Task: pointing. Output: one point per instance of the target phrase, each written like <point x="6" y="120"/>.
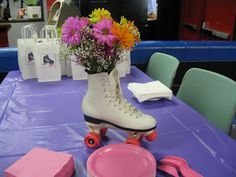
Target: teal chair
<point x="162" y="67"/>
<point x="211" y="94"/>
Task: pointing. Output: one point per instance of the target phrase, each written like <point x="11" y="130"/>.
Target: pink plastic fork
<point x="168" y="169"/>
<point x="181" y="165"/>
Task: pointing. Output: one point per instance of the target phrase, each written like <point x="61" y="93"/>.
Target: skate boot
<point x="30" y="57"/>
<point x="134" y="137"/>
<point x="46" y="60"/>
<point x="104" y="107"/>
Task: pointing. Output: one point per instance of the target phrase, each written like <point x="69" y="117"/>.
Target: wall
<point x="208" y="20"/>
<point x="14" y="33"/>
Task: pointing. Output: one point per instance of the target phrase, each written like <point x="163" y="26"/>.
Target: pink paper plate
<point x="121" y="160"/>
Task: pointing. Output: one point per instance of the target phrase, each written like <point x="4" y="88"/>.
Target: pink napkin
<point x="42" y="163"/>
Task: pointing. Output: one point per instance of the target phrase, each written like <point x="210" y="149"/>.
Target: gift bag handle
<point x="48" y="32"/>
<point x="29" y="31"/>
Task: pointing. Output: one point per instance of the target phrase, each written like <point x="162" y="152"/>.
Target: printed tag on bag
<point x="29" y="56"/>
<point x="48" y="60"/>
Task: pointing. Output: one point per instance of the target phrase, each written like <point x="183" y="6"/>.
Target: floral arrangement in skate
<point x="97" y="41"/>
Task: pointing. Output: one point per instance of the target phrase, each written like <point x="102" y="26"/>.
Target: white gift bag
<point x="65" y="61"/>
<point x="127" y="62"/>
<point x="68" y="67"/>
<point x="124" y="65"/>
<point x="121" y="67"/>
<point x="25" y="51"/>
<point x="78" y="72"/>
<point x="63" y="67"/>
<point x="46" y="52"/>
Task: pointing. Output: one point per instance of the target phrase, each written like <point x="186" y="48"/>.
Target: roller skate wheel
<point x="133" y="141"/>
<point x="152" y="136"/>
<point x="92" y="140"/>
<point x="103" y="131"/>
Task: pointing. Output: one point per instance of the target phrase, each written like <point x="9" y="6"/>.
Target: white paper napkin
<point x="150" y="91"/>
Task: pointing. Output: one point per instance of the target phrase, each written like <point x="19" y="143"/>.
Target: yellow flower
<point x="98" y="14"/>
<point x="123" y="20"/>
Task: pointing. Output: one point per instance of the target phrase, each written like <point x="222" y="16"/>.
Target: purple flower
<point x="71" y="30"/>
<point x="102" y="32"/>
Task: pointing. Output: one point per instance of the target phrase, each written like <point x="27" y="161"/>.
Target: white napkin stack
<point x="150" y="91"/>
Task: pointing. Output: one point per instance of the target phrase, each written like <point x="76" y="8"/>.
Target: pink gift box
<point x="42" y="163"/>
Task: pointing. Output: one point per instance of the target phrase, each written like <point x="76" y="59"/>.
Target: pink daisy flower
<point x="83" y="22"/>
<point x="102" y="32"/>
<point x="71" y="30"/>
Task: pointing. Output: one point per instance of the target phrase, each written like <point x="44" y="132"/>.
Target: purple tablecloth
<point x="49" y="115"/>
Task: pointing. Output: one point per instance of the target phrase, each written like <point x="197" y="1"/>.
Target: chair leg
<point x="233" y="131"/>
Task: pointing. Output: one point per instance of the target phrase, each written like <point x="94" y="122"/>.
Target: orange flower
<point x="124" y="36"/>
<point x="134" y="31"/>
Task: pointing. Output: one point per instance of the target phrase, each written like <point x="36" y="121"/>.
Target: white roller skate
<point x="104" y="107"/>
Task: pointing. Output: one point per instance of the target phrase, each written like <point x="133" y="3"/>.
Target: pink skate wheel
<point x="152" y="136"/>
<point x="121" y="160"/>
<point x="133" y="141"/>
<point x="103" y="131"/>
<point x="92" y="140"/>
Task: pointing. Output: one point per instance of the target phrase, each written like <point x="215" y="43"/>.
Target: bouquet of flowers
<point x="98" y="41"/>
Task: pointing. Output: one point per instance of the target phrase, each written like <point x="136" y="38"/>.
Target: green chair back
<point x="211" y="94"/>
<point x="162" y="67"/>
